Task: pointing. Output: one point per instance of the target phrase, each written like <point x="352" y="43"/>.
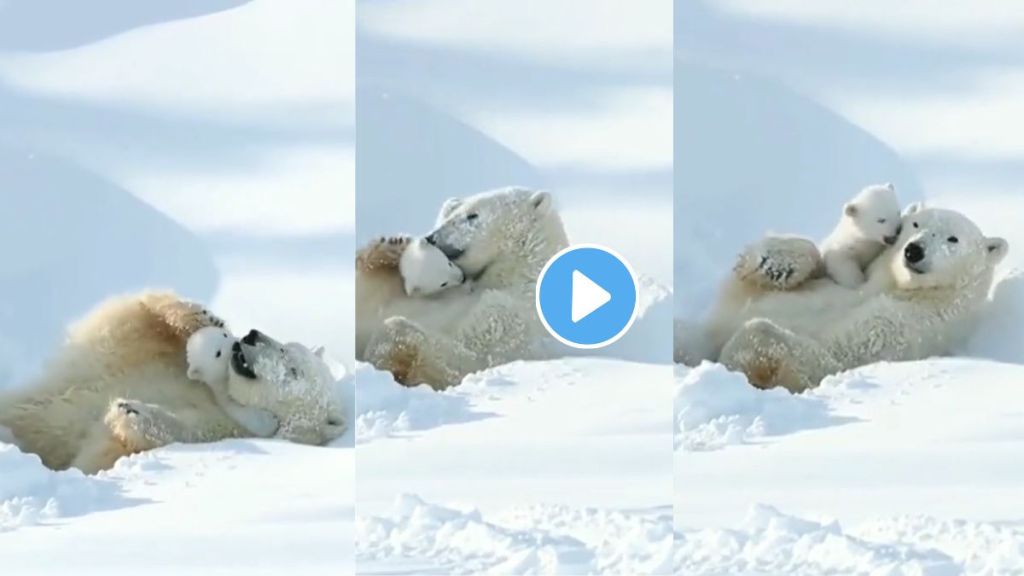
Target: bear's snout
<point x="913" y="253"/>
<point x="251" y="338"/>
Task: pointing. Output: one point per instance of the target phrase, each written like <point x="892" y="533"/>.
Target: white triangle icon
<point x="587" y="296"/>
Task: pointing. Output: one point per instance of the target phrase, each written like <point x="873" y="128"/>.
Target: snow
<point x="239" y="506"/>
<point x="715" y="408"/>
<point x="560" y="466"/>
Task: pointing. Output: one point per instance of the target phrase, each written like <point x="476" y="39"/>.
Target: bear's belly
<point x="811" y="311"/>
<point x="441" y="313"/>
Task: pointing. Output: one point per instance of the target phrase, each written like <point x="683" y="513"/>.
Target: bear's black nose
<point x="913" y="253"/>
<point x="236" y="347"/>
<point x="431" y="239"/>
<point x="251" y="338"/>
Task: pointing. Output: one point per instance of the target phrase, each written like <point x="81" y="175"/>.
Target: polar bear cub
<point x="208" y="352"/>
<point x="870" y="222"/>
<point x="426" y="270"/>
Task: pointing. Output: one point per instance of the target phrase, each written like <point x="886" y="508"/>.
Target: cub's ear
<point x="450" y="205"/>
<point x="319" y="352"/>
<point x="850" y="209"/>
<point x="541" y="202"/>
<point x="997" y="249"/>
<point x="913" y="208"/>
<point x="889" y="186"/>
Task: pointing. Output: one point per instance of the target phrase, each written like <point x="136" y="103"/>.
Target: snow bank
<point x="523" y="540"/>
<point x="715" y="407"/>
<point x="769" y="542"/>
<point x="386" y="408"/>
<point x="1000" y="335"/>
<point x="31" y="494"/>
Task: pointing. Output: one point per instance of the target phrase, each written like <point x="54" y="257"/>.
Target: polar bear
<point x="208" y="353"/>
<point x="119" y="385"/>
<point x="870" y="222"/>
<point x="782" y="327"/>
<point x="426" y="270"/>
<point x="501" y="239"/>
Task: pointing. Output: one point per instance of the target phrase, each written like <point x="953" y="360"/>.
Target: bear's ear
<point x="997" y="249"/>
<point x="450" y="205"/>
<point x="319" y="352"/>
<point x="541" y="202"/>
<point x="889" y="186"/>
<point x="850" y="209"/>
<point x="913" y="208"/>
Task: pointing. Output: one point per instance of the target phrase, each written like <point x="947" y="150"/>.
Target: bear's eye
<point x="472" y="216"/>
<point x="952" y="239"/>
<point x="218" y="354"/>
<point x="881" y="220"/>
<point x="915" y="224"/>
<point x="443" y="284"/>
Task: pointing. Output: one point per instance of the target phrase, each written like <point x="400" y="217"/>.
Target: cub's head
<point x="292" y="382"/>
<point x="477" y="231"/>
<point x="943" y="248"/>
<point x="875" y="214"/>
<point x="426" y="270"/>
<point x="208" y="353"/>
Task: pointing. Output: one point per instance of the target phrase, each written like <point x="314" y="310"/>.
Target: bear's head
<point x="874" y="214"/>
<point x="292" y="382"/>
<point x="500" y="238"/>
<point x="208" y="352"/>
<point x="426" y="270"/>
<point x="943" y="249"/>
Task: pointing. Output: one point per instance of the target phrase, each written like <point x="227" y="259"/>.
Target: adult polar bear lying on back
<point x="780" y="327"/>
<point x="501" y="240"/>
<point x="119" y="385"/>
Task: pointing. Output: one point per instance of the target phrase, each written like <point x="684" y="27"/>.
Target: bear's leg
<point x="415" y="357"/>
<point x="129" y="427"/>
<point x="183" y="317"/>
<point x="778" y="263"/>
<point x="772" y="356"/>
<point x="496" y="330"/>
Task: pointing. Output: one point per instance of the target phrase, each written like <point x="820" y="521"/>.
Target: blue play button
<point x="587" y="296"/>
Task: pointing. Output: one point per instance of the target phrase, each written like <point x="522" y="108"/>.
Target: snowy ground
<point x="132" y="157"/>
<point x="888" y="469"/>
<point x="534" y="467"/>
<point x="539" y="467"/>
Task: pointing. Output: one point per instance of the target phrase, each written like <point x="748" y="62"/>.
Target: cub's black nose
<point x="432" y="240"/>
<point x="236" y="347"/>
<point x="913" y="253"/>
<point x="251" y="338"/>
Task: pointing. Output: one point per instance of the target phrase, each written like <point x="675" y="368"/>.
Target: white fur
<point x="870" y="222"/>
<point x="119" y="385"/>
<point x="501" y="240"/>
<point x="782" y="327"/>
<point x="208" y="353"/>
<point x="426" y="270"/>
